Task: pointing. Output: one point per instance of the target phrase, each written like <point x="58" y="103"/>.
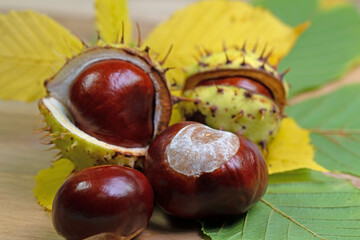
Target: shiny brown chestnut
<point x="201" y="172"/>
<point x="113" y="101"/>
<point x="104" y="201"/>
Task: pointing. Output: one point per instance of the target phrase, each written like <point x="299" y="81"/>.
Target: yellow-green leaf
<point x="291" y="149"/>
<point x="49" y="180"/>
<point x="327" y="4"/>
<point x="111" y="17"/>
<point x="32" y="48"/>
<point x="210" y="25"/>
<point x="333" y="120"/>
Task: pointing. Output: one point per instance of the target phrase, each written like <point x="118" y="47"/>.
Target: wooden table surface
<point x="22" y="155"/>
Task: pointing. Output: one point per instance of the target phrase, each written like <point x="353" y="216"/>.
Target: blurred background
<point x="78" y="15"/>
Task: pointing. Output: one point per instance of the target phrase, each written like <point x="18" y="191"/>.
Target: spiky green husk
<point x="81" y="151"/>
<point x="239" y="62"/>
<point x="233" y="58"/>
<point x="236" y="110"/>
<point x="232" y="108"/>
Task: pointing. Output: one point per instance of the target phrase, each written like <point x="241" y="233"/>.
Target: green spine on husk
<point x="233" y="108"/>
<point x="82" y="152"/>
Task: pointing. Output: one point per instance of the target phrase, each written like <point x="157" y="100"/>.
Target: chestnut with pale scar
<point x="189" y="164"/>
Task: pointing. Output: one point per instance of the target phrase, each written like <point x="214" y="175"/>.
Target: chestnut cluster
<point x="194" y="171"/>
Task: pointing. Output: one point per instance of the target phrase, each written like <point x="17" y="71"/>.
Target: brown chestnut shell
<point x="233" y="188"/>
<point x="105" y="201"/>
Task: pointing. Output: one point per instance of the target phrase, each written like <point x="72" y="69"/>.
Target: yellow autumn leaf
<point x="291" y="149"/>
<point x="111" y="17"/>
<point x="328" y="4"/>
<point x="208" y="25"/>
<point x="33" y="47"/>
<point x="49" y="180"/>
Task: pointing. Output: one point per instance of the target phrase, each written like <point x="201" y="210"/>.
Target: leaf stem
<point x="341" y="132"/>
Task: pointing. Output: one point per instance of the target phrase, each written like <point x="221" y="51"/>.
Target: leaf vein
<point x="267" y="223"/>
<point x="291" y="219"/>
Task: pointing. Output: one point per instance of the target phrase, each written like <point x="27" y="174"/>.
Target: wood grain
<point x="22" y="155"/>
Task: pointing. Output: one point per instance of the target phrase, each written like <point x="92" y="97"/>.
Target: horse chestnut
<point x="200" y="172"/>
<point x="104" y="201"/>
<point x="113" y="101"/>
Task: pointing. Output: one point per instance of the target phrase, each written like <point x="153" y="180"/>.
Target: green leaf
<point x="334" y="122"/>
<point x="291" y="12"/>
<point x="328" y="49"/>
<point x="229" y="228"/>
<point x="298" y="205"/>
<point x="339" y="109"/>
<point x="49" y="180"/>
